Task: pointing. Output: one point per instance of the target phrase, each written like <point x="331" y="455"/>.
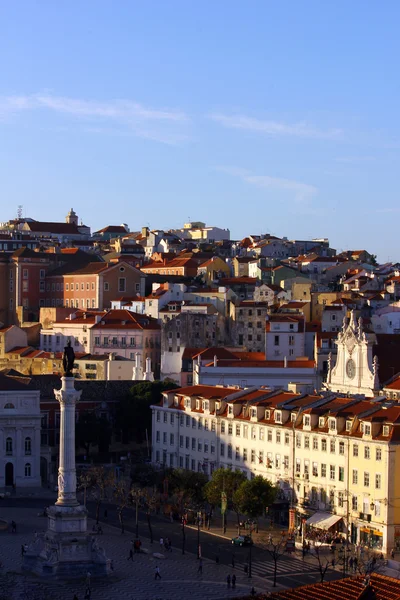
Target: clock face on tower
<point x="350" y="368"/>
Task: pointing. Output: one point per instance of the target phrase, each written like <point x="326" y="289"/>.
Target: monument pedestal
<point x="66" y="550"/>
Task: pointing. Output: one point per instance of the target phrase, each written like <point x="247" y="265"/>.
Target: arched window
<point x="27" y="469"/>
<point x="9" y="405"/>
<point x="9" y="446"/>
<point x="28" y="446"/>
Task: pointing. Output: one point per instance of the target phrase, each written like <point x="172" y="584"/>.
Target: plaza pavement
<point x="130" y="580"/>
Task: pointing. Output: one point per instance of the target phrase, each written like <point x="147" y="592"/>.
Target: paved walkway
<point x="130" y="580"/>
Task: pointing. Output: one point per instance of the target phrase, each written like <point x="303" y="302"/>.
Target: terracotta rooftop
<point x="379" y="587"/>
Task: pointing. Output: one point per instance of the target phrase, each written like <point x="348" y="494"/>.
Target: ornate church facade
<point x="356" y="368"/>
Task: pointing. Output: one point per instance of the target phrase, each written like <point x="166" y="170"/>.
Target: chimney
<point x="285" y="362"/>
<point x="215" y="360"/>
<point x="145" y="232"/>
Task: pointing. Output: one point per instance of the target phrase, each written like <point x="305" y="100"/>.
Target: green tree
<point x="122" y="499"/>
<point x="224" y="480"/>
<point x="254" y="496"/>
<point x="133" y="416"/>
<point x="187" y="486"/>
<point x="86" y="431"/>
<point x="92" y="431"/>
<point x="99" y="482"/>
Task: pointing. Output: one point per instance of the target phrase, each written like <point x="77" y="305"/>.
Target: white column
<point x="67" y="397"/>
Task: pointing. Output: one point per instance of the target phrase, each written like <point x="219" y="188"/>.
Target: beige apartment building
<point x="334" y="458"/>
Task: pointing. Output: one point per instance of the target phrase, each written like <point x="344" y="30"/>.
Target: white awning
<point x="323" y="520"/>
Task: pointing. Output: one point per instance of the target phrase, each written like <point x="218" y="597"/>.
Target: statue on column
<point x="68" y="359"/>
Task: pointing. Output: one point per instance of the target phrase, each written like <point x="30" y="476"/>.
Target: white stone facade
<point x="19" y="436"/>
<point x="356" y="369"/>
<point x="327" y="453"/>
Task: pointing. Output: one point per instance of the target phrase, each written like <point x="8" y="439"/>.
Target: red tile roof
<point x="206" y="391"/>
<point x="394" y="385"/>
<point x="238" y="280"/>
<point x="126" y="319"/>
<point x="380" y="587"/>
<point x="48" y="226"/>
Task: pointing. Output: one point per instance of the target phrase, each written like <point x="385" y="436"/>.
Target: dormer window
<point x="332" y="424"/>
<point x="366" y="428"/>
<point x="230" y="410"/>
<point x="187" y="403"/>
<point x="386" y="430"/>
<point x="293" y="417"/>
<point x="321" y="422"/>
<point x="176" y="401"/>
<point x="197" y="404"/>
<point x="278" y="416"/>
<point x="307" y="420"/>
<point x="205" y="405"/>
<point x="267" y="414"/>
<point x="253" y="412"/>
<point x="217" y="405"/>
<point x="348" y="425"/>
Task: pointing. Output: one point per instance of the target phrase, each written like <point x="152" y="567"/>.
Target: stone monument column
<point x="68" y="396"/>
<point x="66" y="549"/>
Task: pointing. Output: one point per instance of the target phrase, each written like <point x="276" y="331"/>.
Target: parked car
<point x="242" y="540"/>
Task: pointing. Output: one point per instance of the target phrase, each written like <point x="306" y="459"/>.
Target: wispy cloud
<point x="275" y="128"/>
<point x="388" y="210"/>
<point x="353" y="160"/>
<point x="134" y="117"/>
<point x="302" y="192"/>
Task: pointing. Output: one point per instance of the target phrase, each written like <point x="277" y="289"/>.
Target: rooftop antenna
<point x="19" y="211"/>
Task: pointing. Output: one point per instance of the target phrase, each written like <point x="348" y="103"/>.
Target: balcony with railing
<point x="111" y="345"/>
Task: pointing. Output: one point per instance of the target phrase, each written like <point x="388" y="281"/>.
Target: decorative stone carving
<point x="355" y="371"/>
<point x="68" y="551"/>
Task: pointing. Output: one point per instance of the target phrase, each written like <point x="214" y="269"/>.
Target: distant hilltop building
<point x="197" y="230"/>
<point x="69" y="231"/>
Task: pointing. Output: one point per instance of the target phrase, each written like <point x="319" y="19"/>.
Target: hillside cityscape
<point x="267" y="367"/>
<point x="199" y="300"/>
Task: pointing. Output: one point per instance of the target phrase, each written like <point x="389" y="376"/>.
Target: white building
<point x="76" y="329"/>
<point x="284" y="337"/>
<point x="19" y="433"/>
<point x="334" y="458"/>
<point x="356" y="369"/>
<point x="387" y="319"/>
<point x="197" y="230"/>
<point x="274" y="374"/>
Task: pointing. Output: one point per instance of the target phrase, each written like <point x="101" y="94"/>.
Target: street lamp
<point x="198" y="534"/>
<point x="183" y="534"/>
<point x="250" y="557"/>
<point x="135" y="494"/>
<point x="85" y="481"/>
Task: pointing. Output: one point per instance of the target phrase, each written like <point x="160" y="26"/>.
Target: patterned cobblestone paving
<point x="131" y="580"/>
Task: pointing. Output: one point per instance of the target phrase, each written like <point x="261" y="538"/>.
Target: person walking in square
<point x="130" y="557"/>
<point x="161" y="543"/>
<point x="88" y="577"/>
<point x="228" y="580"/>
<point x="157" y="574"/>
<point x="200" y="569"/>
<point x="13" y="527"/>
<point x="233" y="580"/>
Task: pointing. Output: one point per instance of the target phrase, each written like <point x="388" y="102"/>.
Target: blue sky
<point x="277" y="117"/>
